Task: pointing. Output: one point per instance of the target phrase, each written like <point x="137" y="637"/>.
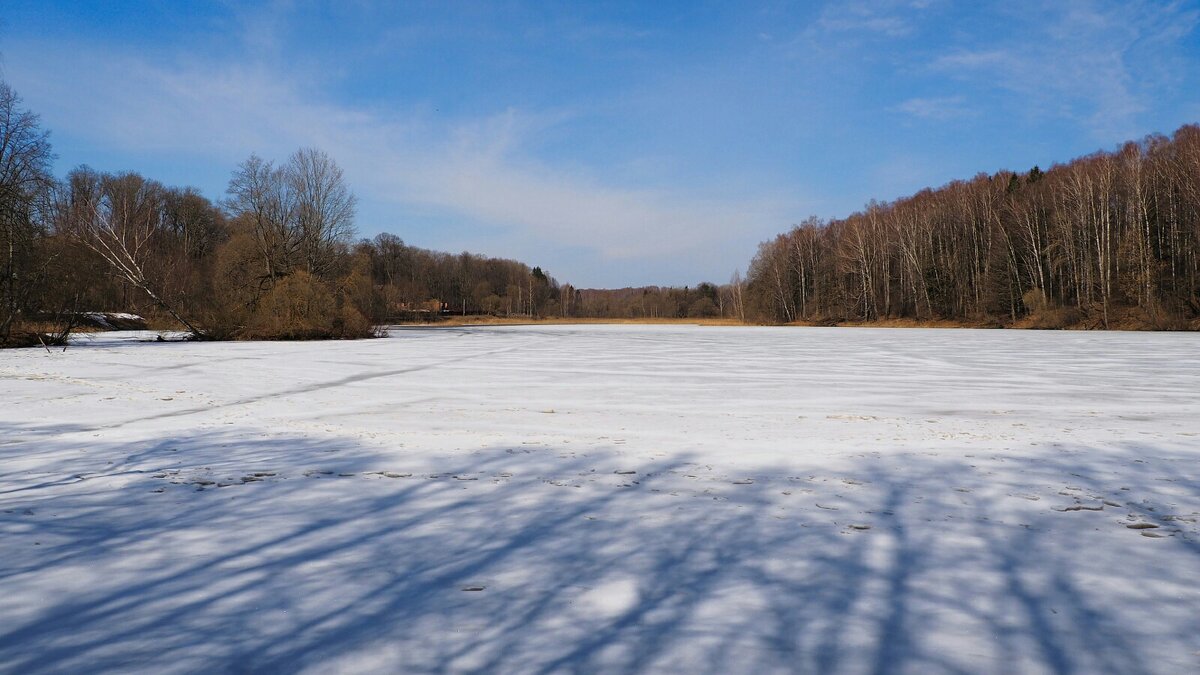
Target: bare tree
<point x="25" y="180"/>
<point x="302" y="214"/>
<point x="118" y="218"/>
<point x="737" y="289"/>
<point x="324" y="207"/>
<point x="262" y="194"/>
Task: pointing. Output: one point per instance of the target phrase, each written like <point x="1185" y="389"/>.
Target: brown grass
<point x="1047" y="320"/>
<point x="521" y="321"/>
<point x="904" y="323"/>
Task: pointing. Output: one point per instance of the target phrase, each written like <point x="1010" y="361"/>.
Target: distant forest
<point x="1111" y="240"/>
<point x="1107" y="240"/>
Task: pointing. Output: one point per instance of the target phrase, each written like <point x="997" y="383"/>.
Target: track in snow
<point x="660" y="498"/>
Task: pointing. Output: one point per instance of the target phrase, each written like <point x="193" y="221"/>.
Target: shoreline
<point x="459" y="321"/>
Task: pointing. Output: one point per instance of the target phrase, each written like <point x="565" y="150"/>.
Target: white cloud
<point x="937" y="108"/>
<point x="1091" y="62"/>
<point x="618" y="223"/>
<point x="473" y="169"/>
<point x="890" y="18"/>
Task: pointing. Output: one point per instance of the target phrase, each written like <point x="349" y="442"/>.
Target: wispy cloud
<point x="936" y="108"/>
<point x="889" y="18"/>
<point x="476" y="169"/>
<point x="1086" y="61"/>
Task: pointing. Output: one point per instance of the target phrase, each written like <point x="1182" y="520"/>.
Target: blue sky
<point x="611" y="143"/>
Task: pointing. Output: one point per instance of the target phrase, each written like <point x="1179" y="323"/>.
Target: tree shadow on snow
<point x="219" y="552"/>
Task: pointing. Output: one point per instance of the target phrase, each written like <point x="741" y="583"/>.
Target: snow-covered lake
<point x="604" y="499"/>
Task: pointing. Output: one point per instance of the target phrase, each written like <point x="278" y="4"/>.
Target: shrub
<point x="302" y="307"/>
<point x="1044" y="314"/>
<point x="1035" y="300"/>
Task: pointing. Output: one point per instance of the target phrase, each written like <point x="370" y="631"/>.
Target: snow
<point x="604" y="498"/>
<point x="100" y="318"/>
<point x="106" y="319"/>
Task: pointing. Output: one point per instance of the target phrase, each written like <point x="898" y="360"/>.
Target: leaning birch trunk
<point x="123" y="252"/>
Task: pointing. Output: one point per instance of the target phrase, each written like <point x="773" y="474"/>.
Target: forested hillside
<point x="1107" y="240"/>
<point x="277" y="258"/>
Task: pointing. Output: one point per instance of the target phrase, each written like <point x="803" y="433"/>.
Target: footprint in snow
<point x="1080" y="507"/>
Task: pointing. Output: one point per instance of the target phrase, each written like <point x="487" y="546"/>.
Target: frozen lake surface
<point x="604" y="499"/>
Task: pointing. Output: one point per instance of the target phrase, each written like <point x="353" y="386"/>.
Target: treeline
<point x="702" y="301"/>
<point x="414" y="282"/>
<point x="277" y="259"/>
<point x="1107" y="240"/>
